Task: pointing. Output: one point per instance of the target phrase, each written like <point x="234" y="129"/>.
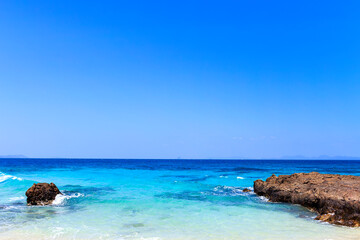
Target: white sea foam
<point x="227" y="190"/>
<point x="61" y="199"/>
<point x="150" y="238"/>
<point x="262" y="198"/>
<point x="58" y="232"/>
<point x="13" y="199"/>
<point x="240" y="178"/>
<point x="4" y="177"/>
<point x="10" y="207"/>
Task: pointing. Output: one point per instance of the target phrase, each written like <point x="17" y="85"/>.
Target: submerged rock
<point x="41" y="193"/>
<point x="246" y="190"/>
<point x="336" y="198"/>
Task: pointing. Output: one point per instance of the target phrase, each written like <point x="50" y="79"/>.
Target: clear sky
<point x="188" y="79"/>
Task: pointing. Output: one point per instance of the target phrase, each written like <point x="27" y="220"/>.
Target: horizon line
<point x="199" y="159"/>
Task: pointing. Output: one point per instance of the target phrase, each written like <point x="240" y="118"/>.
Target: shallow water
<point x="159" y="199"/>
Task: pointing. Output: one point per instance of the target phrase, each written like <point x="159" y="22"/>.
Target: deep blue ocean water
<point x="159" y="199"/>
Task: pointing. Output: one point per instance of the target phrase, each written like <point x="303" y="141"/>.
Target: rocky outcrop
<point x="41" y="193"/>
<point x="336" y="198"/>
<point x="246" y="190"/>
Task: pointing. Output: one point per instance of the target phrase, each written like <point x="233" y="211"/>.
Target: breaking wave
<point x="263" y="199"/>
<point x="14" y="199"/>
<point x="4" y="177"/>
<point x="62" y="199"/>
<point x="227" y="191"/>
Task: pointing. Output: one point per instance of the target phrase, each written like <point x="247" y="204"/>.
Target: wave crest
<point x="227" y="191"/>
<point x="61" y="199"/>
<point x="4" y="177"/>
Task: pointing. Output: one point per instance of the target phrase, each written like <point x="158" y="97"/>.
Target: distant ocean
<point x="159" y="199"/>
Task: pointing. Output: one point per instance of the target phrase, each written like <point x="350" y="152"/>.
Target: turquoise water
<point x="158" y="199"/>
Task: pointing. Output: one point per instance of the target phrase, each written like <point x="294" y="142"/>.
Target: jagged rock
<point x="336" y="198"/>
<point x="41" y="193"/>
<point x="246" y="190"/>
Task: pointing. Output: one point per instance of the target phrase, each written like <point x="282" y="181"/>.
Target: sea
<point x="160" y="200"/>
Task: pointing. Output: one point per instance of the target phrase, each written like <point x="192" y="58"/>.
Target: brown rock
<point x="41" y="193"/>
<point x="336" y="198"/>
<point x="246" y="190"/>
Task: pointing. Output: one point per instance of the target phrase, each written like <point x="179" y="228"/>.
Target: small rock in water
<point x="246" y="190"/>
<point x="41" y="194"/>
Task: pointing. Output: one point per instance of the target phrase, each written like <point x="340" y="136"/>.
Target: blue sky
<point x="186" y="79"/>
